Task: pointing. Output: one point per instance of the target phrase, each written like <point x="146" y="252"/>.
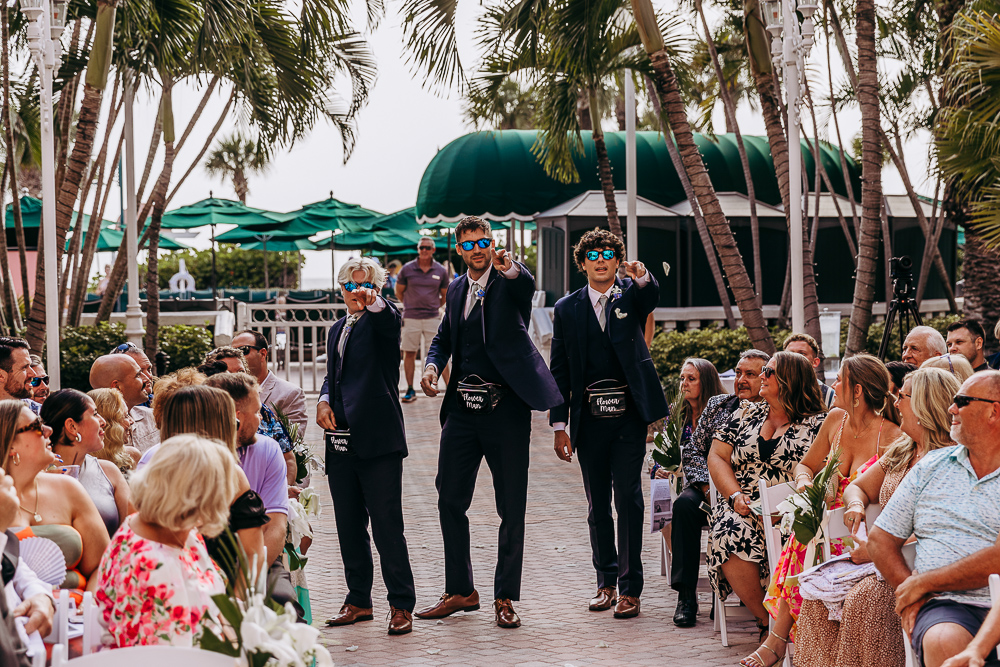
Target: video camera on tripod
<point x="903" y="302"/>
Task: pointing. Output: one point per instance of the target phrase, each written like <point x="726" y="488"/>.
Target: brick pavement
<point x="557" y="628"/>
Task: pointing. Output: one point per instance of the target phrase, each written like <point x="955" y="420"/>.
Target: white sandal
<point x="754" y="659"/>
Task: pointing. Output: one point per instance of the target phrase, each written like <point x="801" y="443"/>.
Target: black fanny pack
<point x="606" y="398"/>
<point x="478" y="397"/>
<point x="338" y="443"/>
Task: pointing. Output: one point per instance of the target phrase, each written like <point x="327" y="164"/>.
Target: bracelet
<point x="856" y="503"/>
<point x="803" y="474"/>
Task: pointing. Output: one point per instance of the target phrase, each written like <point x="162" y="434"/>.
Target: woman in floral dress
<point x="156" y="580"/>
<point x="859" y="428"/>
<point x="761" y="441"/>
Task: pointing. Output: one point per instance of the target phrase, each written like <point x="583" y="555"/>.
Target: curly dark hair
<point x="471" y="223"/>
<point x="597" y="239"/>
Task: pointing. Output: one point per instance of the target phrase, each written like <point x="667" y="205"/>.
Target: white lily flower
<point x="322" y="656"/>
<point x="786" y="523"/>
<point x="309" y="499"/>
<point x="298" y="524"/>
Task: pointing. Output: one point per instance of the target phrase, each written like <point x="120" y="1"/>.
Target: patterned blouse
<point x="694" y="455"/>
<point x="151" y="593"/>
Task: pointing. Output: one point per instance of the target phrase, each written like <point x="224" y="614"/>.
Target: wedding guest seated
<point x="230" y="356"/>
<point x="978" y="650"/>
<point x="702" y="391"/>
<point x="857" y="432"/>
<point x="897" y="371"/>
<point x="868" y="632"/>
<point x="39" y="384"/>
<point x="117" y="431"/>
<point x="168" y="385"/>
<point x="948" y="502"/>
<point x="966" y="337"/>
<point x="139" y="356"/>
<point x="956" y="364"/>
<point x="16" y="373"/>
<point x="806" y="345"/>
<point x="53" y="506"/>
<point x="78" y="432"/>
<point x="156" y="580"/>
<point x="121" y="372"/>
<point x="921" y="344"/>
<point x="762" y="440"/>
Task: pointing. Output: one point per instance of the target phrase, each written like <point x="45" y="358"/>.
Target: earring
<point x="856" y="402"/>
<point x="78" y="437"/>
<point x="15" y="458"/>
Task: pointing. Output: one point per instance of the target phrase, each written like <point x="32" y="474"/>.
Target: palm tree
<point x="513" y="108"/>
<point x="235" y="157"/>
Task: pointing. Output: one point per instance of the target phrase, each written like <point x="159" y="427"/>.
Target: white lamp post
<point x="791" y="47"/>
<point x="133" y="312"/>
<point x="46" y="20"/>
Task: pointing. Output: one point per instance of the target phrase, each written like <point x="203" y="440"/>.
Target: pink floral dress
<point x="152" y="593"/>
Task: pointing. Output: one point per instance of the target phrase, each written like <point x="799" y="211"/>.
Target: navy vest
<point x="339" y="414"/>
<point x="601" y="362"/>
<point x="470" y="354"/>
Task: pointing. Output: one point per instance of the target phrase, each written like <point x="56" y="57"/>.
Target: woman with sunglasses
<point x="868" y="634"/>
<point x="53" y="506"/>
<point x="78" y="432"/>
<point x="762" y="440"/>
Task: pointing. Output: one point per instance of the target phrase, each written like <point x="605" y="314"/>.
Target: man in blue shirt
<point x="949" y="501"/>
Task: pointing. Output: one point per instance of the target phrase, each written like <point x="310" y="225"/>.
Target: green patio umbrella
<point x="381" y="240"/>
<point x="112" y="239"/>
<point x="280" y="245"/>
<point x="329" y="215"/>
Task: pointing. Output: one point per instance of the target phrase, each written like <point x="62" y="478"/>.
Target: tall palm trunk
<point x="732" y="126"/>
<point x="13" y="315"/>
<point x="11" y="167"/>
<point x="604" y="165"/>
<point x="159" y="196"/>
<point x="722" y="236"/>
<point x="871" y="180"/>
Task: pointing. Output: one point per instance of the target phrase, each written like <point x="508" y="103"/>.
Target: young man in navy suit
<point x="497" y="379"/>
<point x="364" y="462"/>
<point x="610" y="393"/>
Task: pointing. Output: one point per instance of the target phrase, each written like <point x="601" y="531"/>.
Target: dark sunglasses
<point x="592" y="255"/>
<point x="38" y="380"/>
<point x="961" y="400"/>
<point x="36" y="426"/>
<point x="245" y="349"/>
<point x="469" y="245"/>
<point x="124" y="347"/>
<point x="768" y="371"/>
<point x="351" y="286"/>
<point x="425" y="247"/>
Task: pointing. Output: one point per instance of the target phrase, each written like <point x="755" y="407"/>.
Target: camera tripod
<point x="904" y="307"/>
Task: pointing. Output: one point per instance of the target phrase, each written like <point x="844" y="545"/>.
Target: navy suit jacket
<point x="369" y="381"/>
<point x="506" y="312"/>
<point x="626" y="325"/>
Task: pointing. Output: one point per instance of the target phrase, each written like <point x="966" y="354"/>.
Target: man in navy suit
<point x="497" y="379"/>
<point x="610" y="394"/>
<point x="364" y="464"/>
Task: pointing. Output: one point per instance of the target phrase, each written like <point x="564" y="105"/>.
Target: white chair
<point x="147" y="656"/>
<point x="91" y="626"/>
<point x="910" y="556"/>
<point x="770" y="498"/>
<point x="729" y="609"/>
<point x="836" y="528"/>
<point x="995" y="593"/>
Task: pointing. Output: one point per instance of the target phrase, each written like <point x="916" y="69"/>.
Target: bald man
<point x="121" y="372"/>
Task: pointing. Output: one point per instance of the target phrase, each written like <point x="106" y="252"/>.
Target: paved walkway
<point x="557" y="628"/>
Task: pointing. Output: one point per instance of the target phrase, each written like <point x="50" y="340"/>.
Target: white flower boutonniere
<point x="620" y="315"/>
<point x="616" y="293"/>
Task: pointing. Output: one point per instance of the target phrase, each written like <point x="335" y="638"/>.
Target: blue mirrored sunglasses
<point x="351" y="286"/>
<point x="469" y="245"/>
<point x="592" y="255"/>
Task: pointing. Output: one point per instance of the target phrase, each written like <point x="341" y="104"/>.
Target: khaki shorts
<point x="414" y="329"/>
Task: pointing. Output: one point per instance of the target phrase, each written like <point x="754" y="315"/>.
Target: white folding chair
<point x="837" y="530"/>
<point x="910" y="556"/>
<point x="995" y="594"/>
<point x="729" y="609"/>
<point x="770" y="498"/>
<point x="147" y="656"/>
<point x="91" y="626"/>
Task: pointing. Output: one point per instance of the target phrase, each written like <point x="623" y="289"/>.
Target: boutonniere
<point x="620" y="315"/>
<point x="616" y="292"/>
<point x="480" y="293"/>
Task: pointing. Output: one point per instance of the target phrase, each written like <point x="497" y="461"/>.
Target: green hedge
<point x="80" y="346"/>
<point x="723" y="346"/>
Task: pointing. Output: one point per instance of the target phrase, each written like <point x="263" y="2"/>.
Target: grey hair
<point x="754" y="353"/>
<point x="374" y="273"/>
<point x="935" y="340"/>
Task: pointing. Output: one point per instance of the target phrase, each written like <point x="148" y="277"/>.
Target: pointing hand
<point x="501" y="260"/>
<point x="634" y="269"/>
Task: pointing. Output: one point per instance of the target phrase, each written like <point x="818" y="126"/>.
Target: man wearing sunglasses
<point x="360" y="402"/>
<point x="274" y="392"/>
<point x="502" y="378"/>
<point x="16" y="373"/>
<point x="949" y="502"/>
<point x="145" y="365"/>
<point x="610" y="394"/>
<point x="421" y="287"/>
<point x="39" y="384"/>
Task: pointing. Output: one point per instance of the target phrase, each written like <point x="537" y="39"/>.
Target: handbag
<point x="606" y="401"/>
<point x="478" y="397"/>
<point x="338" y="443"/>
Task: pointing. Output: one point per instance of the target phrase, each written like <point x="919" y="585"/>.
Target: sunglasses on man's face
<point x="592" y="255"/>
<point x="425" y="247"/>
<point x="39" y="380"/>
<point x="125" y="347"/>
<point x="36" y="426"/>
<point x="962" y="400"/>
<point x="245" y="349"/>
<point x="768" y="371"/>
<point x="351" y="286"/>
<point x="469" y="245"/>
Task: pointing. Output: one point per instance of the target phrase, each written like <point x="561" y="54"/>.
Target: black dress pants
<point x="685" y="539"/>
<point x="363" y="489"/>
<point x="502" y="438"/>
<point x="611" y="452"/>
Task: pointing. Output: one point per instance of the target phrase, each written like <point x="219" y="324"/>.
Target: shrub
<point x="186" y="345"/>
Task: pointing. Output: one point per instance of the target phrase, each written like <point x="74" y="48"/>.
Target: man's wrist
<point x="431" y="367"/>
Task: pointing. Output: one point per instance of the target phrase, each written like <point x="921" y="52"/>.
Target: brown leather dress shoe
<point x="627" y="607"/>
<point x="604" y="600"/>
<point x="506" y="616"/>
<point x="449" y="604"/>
<point x="400" y="621"/>
<point x="349" y="614"/>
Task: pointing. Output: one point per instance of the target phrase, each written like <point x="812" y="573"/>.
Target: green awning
<point x="214" y="211"/>
<point x="495" y="174"/>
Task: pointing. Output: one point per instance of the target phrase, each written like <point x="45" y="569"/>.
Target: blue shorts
<point x="938" y="611"/>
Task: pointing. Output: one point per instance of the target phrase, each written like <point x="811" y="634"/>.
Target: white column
<point x="49" y="207"/>
<point x="632" y="222"/>
<point x="790" y="57"/>
<point x="134" y="330"/>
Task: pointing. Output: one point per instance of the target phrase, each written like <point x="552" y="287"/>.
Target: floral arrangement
<point x="803" y="513"/>
<point x="258" y="631"/>
<point x="667" y="443"/>
<point x="304" y="458"/>
<point x="299" y="512"/>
